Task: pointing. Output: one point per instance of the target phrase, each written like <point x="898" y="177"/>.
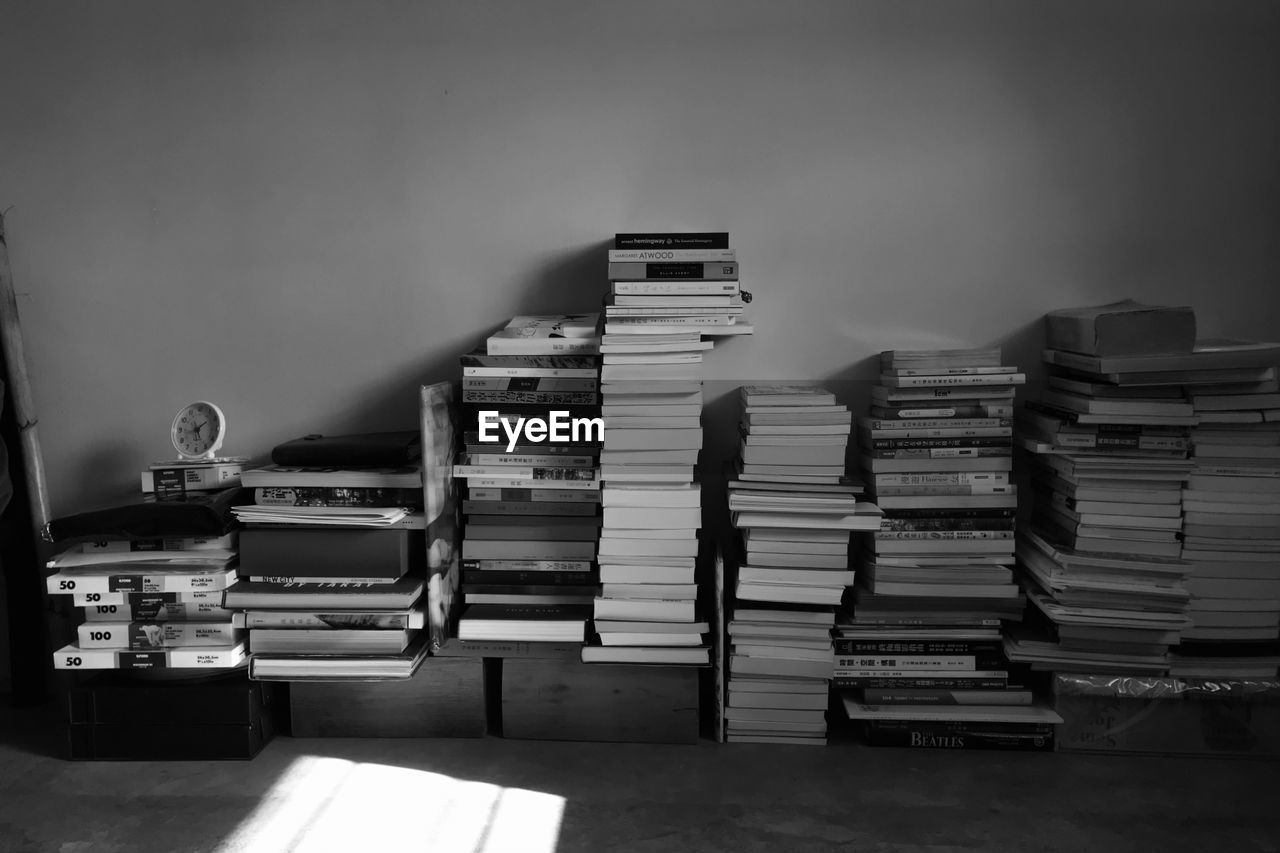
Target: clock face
<point x="198" y="430"/>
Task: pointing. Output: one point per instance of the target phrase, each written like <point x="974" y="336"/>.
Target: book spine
<point x="530" y="384"/>
<point x="613" y="311"/>
<point x="588" y="590"/>
<point x="923" y="736"/>
<point x="675" y="288"/>
<point x="192" y="658"/>
<point x="937" y="432"/>
<point x="542" y="346"/>
<point x="689" y="240"/>
<point x="476" y="446"/>
<point x="480" y="487"/>
<point x="892" y="414"/>
<point x="673" y="255"/>
<point x="537" y="398"/>
<point x="960" y="681"/>
<point x="993" y="393"/>
<point x="585" y="363"/>
<point x="908" y="663"/>
<point x="107" y="583"/>
<point x="675" y="320"/>
<point x="484" y="580"/>
<point x="527" y="495"/>
<point x="529" y="460"/>
<point x="944" y="525"/>
<point x="912" y="513"/>
<point x="183" y="543"/>
<point x="563" y="374"/>
<point x="154" y="635"/>
<point x="973" y="490"/>
<point x="928" y="423"/>
<point x="940" y="535"/>
<point x="526" y="566"/>
<point x="942" y="478"/>
<point x="566" y="508"/>
<point x="927" y="381"/>
<point x="950" y="371"/>
<point x="321" y="578"/>
<point x="638" y="271"/>
<point x="934" y="443"/>
<point x="332" y="621"/>
<point x="535" y="473"/>
<point x="336" y="496"/>
<point x="860" y="646"/>
<point x="196" y="611"/>
<point x="882" y="696"/>
<point x="172" y="482"/>
<point x="144" y="600"/>
<point x="992" y="452"/>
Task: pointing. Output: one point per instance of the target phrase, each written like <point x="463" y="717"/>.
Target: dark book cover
<point x="360" y="450"/>
<point x="146" y="518"/>
<point x="672" y="240"/>
<point x="330" y="552"/>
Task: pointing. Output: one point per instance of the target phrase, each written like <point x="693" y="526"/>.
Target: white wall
<point x="302" y="210"/>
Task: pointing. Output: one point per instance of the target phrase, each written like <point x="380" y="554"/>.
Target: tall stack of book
<point x="149" y="577"/>
<point x="530" y="415"/>
<point x="332" y="559"/>
<point x="1108" y="455"/>
<point x="1231" y="519"/>
<point x="796" y="509"/>
<point x="935" y="582"/>
<point x="669" y="293"/>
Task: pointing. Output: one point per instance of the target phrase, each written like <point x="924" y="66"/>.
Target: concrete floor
<point x="492" y="794"/>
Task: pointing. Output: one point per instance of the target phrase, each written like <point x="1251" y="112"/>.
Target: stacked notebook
<point x="333" y="559"/>
<point x="795" y="509"/>
<point x="149" y="578"/>
<point x="531" y="468"/>
<point x="935" y="582"/>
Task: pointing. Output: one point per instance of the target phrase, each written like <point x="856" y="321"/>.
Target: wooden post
<point x="24" y="409"/>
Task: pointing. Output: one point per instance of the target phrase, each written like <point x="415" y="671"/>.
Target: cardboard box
<point x="1168" y="716"/>
<point x="445" y="698"/>
<point x="113" y="717"/>
<point x="567" y="700"/>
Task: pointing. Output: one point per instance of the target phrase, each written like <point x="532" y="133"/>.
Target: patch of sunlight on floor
<point x="323" y="804"/>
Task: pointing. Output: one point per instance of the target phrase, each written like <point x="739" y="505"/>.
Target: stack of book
<point x="796" y="509"/>
<point x="531" y="466"/>
<point x="150" y="577"/>
<point x="1231" y="520"/>
<point x="332" y="560"/>
<point x="668" y="293"/>
<point x="1107" y="446"/>
<point x="935" y="582"/>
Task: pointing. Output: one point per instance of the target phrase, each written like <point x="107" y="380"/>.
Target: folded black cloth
<point x="147" y="518"/>
<point x="359" y="450"/>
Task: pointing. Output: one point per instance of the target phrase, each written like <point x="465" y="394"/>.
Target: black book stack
<point x="333" y="559"/>
<point x="795" y="508"/>
<point x="919" y="651"/>
<point x="530" y="463"/>
<point x="670" y="296"/>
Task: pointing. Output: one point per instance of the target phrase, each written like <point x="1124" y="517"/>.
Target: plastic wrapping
<point x="1155" y="687"/>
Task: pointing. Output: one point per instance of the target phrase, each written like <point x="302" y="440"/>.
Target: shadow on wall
<point x="1022" y="348"/>
<point x="574" y="281"/>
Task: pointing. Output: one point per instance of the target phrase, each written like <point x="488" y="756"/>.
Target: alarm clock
<point x="198" y="430"/>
